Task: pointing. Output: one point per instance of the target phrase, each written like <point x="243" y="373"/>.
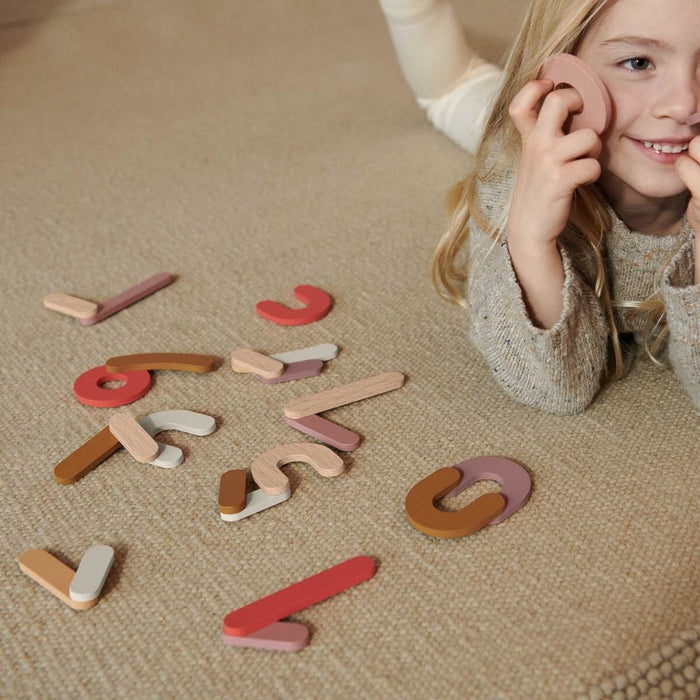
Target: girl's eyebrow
<point x="640" y="41"/>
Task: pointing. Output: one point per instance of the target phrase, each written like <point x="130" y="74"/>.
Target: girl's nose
<point x="680" y="100"/>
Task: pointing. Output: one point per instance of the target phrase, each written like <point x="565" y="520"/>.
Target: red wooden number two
<point x="318" y="304"/>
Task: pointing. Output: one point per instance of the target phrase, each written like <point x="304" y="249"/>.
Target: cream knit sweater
<point x="560" y="369"/>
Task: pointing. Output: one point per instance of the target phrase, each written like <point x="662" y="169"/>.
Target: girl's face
<point x="647" y="53"/>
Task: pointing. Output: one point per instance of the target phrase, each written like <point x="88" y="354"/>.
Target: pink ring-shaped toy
<point x="514" y="479"/>
<point x="88" y="390"/>
<point x="571" y="70"/>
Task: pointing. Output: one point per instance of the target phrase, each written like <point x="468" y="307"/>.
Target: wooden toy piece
<point x="53" y="575"/>
<point x="564" y="68"/>
<point x="267" y="474"/>
<point x="69" y="305"/>
<point x="324" y="352"/>
<point x="91" y="574"/>
<point x="245" y="360"/>
<point x="104" y="444"/>
<point x="130" y="296"/>
<point x="345" y="394"/>
<point x="296" y="370"/>
<point x="426" y="517"/>
<point x="88" y="387"/>
<point x="286" y="602"/>
<point x="318" y="304"/>
<point x="137" y="442"/>
<point x="256" y="502"/>
<point x="326" y="431"/>
<point x="513" y="477"/>
<point x="174" y="361"/>
<point x="86" y="457"/>
<point x="232" y="488"/>
<point x="184" y="421"/>
<point x="279" y="636"/>
<point x="693" y="119"/>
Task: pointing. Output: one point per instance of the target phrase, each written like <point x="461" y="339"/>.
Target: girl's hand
<point x="688" y="169"/>
<point x="552" y="164"/>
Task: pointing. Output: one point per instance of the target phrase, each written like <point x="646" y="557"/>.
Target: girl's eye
<point x="639" y="64"/>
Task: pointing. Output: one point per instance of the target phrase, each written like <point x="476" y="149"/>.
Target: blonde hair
<point x="549" y="27"/>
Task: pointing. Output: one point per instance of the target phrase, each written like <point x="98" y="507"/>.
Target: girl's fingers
<point x="579" y="144"/>
<point x="557" y="108"/>
<point x="694" y="148"/>
<point x="523" y="107"/>
<point x="688" y="167"/>
<point x="583" y="172"/>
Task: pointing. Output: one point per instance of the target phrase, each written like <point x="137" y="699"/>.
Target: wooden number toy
<point x="326" y="431"/>
<point x="267" y="474"/>
<point x="564" y="68"/>
<point x="174" y="361"/>
<point x="513" y="478"/>
<point x="345" y="394"/>
<point x="255" y="616"/>
<point x="53" y="575"/>
<point x="279" y="636"/>
<point x="324" y="352"/>
<point x="318" y="304"/>
<point x="79" y="591"/>
<point x="296" y="370"/>
<point x="256" y="502"/>
<point x="693" y="119"/>
<point x="183" y="421"/>
<point x="88" y="387"/>
<point x="245" y="360"/>
<point x="130" y="296"/>
<point x="423" y="514"/>
<point x="232" y="489"/>
<point x="91" y="574"/>
<point x="133" y="371"/>
<point x="98" y="448"/>
<point x="86" y="457"/>
<point x="69" y="305"/>
<point x="137" y="442"/>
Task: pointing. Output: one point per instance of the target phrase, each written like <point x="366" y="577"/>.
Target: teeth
<point x="661" y="148"/>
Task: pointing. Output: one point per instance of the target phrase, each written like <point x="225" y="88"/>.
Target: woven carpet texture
<point x="248" y="147"/>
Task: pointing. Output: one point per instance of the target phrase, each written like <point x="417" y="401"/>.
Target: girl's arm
<point x="558" y="369"/>
<point x="682" y="300"/>
<point x="539" y="325"/>
<point x="540" y="272"/>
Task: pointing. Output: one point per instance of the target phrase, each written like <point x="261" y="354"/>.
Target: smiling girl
<point x="575" y="243"/>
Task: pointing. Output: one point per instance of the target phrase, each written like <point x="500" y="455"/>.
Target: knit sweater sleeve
<point x="558" y="369"/>
<point x="682" y="302"/>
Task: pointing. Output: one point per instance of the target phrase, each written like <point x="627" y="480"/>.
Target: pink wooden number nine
<point x="318" y="304"/>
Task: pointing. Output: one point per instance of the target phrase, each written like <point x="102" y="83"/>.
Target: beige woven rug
<point x="249" y="147"/>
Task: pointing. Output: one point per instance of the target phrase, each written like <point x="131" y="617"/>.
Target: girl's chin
<point x="653" y="182"/>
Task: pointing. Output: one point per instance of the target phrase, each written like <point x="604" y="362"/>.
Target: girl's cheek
<point x="627" y="104"/>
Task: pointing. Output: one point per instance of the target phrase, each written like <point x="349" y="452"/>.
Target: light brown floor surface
<point x="248" y="147"/>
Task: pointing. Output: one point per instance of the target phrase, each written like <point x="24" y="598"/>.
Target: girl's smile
<point x="663" y="152"/>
